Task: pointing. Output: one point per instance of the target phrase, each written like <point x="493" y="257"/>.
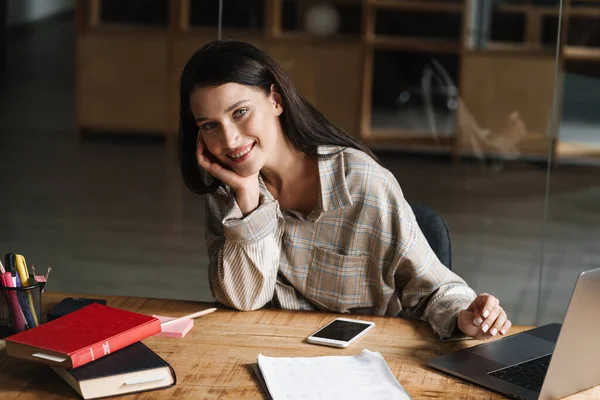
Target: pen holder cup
<point x="20" y="309"/>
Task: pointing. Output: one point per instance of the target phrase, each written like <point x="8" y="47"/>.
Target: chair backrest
<point x="436" y="232"/>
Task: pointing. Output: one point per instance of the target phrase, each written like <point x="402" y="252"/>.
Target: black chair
<point x="436" y="232"/>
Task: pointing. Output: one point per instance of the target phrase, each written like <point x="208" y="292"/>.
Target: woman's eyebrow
<point x="227" y="110"/>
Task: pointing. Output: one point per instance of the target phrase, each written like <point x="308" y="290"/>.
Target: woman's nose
<point x="231" y="136"/>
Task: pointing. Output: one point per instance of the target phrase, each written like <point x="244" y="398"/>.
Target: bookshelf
<point x="407" y="73"/>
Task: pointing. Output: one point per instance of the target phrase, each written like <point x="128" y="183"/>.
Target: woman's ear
<point x="276" y="100"/>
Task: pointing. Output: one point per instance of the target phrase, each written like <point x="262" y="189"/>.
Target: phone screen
<point x="341" y="330"/>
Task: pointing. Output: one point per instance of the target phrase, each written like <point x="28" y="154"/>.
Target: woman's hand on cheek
<point x="246" y="188"/>
<point x="484" y="318"/>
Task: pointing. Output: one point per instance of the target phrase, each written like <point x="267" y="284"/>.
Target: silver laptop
<point x="549" y="362"/>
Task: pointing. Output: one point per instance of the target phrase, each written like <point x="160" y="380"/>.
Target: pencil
<point x="190" y="316"/>
<point x="2" y="270"/>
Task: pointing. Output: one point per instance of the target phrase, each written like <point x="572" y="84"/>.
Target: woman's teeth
<point x="243" y="153"/>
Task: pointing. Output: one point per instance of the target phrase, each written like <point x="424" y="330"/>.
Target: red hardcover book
<point x="82" y="336"/>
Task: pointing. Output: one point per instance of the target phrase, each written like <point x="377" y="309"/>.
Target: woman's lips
<point x="242" y="154"/>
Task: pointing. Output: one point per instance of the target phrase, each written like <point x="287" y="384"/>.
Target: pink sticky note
<point x="176" y="329"/>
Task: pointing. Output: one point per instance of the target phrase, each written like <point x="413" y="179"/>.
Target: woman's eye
<point x="209" y="125"/>
<point x="240" y="112"/>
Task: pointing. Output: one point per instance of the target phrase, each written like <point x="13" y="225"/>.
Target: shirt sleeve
<point x="427" y="289"/>
<point x="244" y="251"/>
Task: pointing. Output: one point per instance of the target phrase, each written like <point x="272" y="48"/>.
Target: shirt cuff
<point x="443" y="313"/>
<point x="255" y="226"/>
<point x="456" y="334"/>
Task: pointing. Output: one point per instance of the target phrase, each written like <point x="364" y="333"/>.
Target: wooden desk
<point x="212" y="361"/>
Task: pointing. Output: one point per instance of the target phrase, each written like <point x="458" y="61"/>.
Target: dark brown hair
<point x="230" y="61"/>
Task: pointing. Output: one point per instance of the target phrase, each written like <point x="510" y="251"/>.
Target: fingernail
<point x="477" y="321"/>
<point x="485" y="328"/>
<point x="502" y="331"/>
<point x="494" y="331"/>
<point x="486" y="313"/>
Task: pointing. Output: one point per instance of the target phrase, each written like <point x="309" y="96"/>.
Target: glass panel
<point x="572" y="233"/>
<point x="414" y="92"/>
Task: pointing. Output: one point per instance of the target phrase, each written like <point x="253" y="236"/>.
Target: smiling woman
<point x="299" y="214"/>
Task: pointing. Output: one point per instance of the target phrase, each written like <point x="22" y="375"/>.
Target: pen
<point x="17" y="313"/>
<point x="32" y="276"/>
<point x="24" y="276"/>
<point x="9" y="260"/>
<point x="46" y="277"/>
<point x="190" y="316"/>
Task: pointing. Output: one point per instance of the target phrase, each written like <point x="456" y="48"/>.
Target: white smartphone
<point x="341" y="332"/>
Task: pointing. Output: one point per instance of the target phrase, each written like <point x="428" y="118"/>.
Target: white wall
<point x="25" y="11"/>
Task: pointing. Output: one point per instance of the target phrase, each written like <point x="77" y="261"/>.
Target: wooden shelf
<point x="415" y="44"/>
<point x="303" y="37"/>
<point x="509" y="48"/>
<point x="528" y="9"/>
<point x="428" y="6"/>
<point x="577" y="150"/>
<point x="409" y="139"/>
<point x="573" y="11"/>
<point x="584" y="11"/>
<point x="226" y="32"/>
<point x="119" y="28"/>
<point x="399" y="133"/>
<point x="335" y="72"/>
<point x="581" y="53"/>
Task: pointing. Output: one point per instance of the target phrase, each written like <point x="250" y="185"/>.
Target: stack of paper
<point x="364" y="376"/>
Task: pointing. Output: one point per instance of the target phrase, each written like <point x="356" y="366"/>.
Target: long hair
<point x="230" y="61"/>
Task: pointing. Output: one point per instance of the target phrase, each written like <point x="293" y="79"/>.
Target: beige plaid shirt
<point x="360" y="250"/>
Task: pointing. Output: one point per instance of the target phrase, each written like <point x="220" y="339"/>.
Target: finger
<point x="504" y="330"/>
<point x="477" y="305"/>
<point x="490" y="303"/>
<point x="492" y="309"/>
<point x="204" y="161"/>
<point x="499" y="323"/>
<point x="466" y="323"/>
<point x="199" y="147"/>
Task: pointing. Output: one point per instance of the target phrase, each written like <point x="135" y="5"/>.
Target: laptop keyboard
<point x="529" y="375"/>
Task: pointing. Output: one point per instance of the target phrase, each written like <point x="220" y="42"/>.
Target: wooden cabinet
<point x="128" y="72"/>
<point x="506" y="104"/>
<point x="405" y="73"/>
<point x="121" y="81"/>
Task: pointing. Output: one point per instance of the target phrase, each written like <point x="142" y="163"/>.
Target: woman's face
<point x="239" y="124"/>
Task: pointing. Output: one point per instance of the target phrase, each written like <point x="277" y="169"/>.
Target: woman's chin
<point x="246" y="172"/>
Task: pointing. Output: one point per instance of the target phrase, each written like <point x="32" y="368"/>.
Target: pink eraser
<point x="176" y="329"/>
<point x="40" y="278"/>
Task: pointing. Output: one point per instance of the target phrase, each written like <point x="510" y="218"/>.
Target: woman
<point x="299" y="214"/>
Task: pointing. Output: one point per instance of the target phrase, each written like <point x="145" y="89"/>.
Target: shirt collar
<point x="333" y="185"/>
<point x="332" y="174"/>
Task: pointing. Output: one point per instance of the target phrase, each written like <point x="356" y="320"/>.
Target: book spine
<point x="115" y="343"/>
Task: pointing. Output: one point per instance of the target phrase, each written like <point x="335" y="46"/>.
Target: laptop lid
<point x="575" y="364"/>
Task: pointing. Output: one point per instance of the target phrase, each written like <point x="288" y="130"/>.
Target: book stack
<point x="97" y="351"/>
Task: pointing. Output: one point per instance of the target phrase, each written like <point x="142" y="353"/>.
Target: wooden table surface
<point x="211" y="362"/>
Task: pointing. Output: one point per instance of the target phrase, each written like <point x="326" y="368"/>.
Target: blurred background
<point x="487" y="111"/>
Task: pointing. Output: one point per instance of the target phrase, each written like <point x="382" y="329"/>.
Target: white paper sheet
<point x="364" y="376"/>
